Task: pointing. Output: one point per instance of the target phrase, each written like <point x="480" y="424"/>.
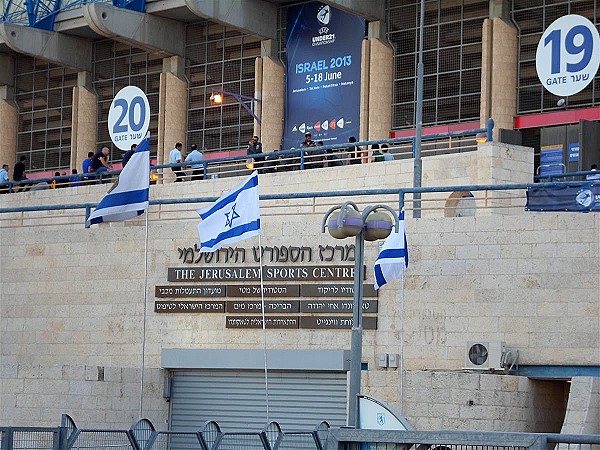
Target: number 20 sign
<point x="568" y="55"/>
<point x="128" y="117"/>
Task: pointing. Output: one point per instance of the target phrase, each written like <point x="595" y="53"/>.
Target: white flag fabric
<point x="235" y="216"/>
<point x="393" y="257"/>
<point x="128" y="197"/>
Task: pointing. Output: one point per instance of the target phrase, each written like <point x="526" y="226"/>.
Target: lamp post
<point x="345" y="221"/>
<point x="217" y="98"/>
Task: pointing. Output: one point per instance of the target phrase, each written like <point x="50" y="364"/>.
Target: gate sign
<point x="128" y="117"/>
<point x="568" y="55"/>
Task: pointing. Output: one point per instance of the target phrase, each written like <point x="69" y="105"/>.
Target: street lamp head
<point x="378" y="225"/>
<point x="345" y="223"/>
<point x="216" y="97"/>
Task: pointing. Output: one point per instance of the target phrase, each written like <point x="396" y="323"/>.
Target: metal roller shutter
<point x="236" y="399"/>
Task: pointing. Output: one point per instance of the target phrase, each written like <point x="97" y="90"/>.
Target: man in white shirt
<point x="197" y="160"/>
<point x="175" y="157"/>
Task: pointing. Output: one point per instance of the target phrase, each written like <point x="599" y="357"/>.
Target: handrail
<point x="301" y="152"/>
<point x="401" y="192"/>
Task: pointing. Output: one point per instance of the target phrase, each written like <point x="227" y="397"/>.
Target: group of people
<point x="316" y="157"/>
<point x="195" y="158"/>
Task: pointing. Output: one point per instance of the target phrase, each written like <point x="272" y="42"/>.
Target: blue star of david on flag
<point x="240" y="208"/>
<point x="234" y="215"/>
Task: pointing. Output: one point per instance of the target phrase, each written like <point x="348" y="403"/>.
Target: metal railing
<point x="282" y="160"/>
<point x="345" y="438"/>
<point x="501" y="198"/>
<point x="143" y="436"/>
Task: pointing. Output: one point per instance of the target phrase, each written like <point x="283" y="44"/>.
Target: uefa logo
<point x="324" y="14"/>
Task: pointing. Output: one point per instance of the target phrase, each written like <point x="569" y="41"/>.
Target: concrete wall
<point x="73" y="299"/>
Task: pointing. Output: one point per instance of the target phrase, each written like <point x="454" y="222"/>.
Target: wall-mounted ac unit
<point x="485" y="355"/>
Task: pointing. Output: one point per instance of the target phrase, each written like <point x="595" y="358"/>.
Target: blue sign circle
<point x="568" y="55"/>
<point x="128" y="117"/>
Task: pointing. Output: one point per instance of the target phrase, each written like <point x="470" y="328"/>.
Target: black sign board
<point x="290" y="322"/>
<point x="270" y="273"/>
<point x="335" y="322"/>
<point x="178" y="291"/>
<point x="271" y="306"/>
<point x="335" y="290"/>
<point x="336" y="306"/>
<point x="273" y="290"/>
<point x="184" y="306"/>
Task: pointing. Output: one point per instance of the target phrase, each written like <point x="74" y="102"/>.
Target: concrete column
<point x="172" y="110"/>
<point x="376" y="85"/>
<point x="270" y="76"/>
<point x="9" y="121"/>
<point x="500" y="52"/>
<point x="84" y="124"/>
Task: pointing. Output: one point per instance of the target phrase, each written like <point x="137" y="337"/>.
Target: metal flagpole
<point x="402" y="343"/>
<point x="144" y="324"/>
<point x="418" y="164"/>
<point x="264" y="325"/>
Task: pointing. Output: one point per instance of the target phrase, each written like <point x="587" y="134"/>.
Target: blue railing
<point x="289" y="159"/>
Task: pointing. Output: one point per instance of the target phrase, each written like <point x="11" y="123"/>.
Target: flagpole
<point x="402" y="343"/>
<point x="144" y="324"/>
<point x="264" y="325"/>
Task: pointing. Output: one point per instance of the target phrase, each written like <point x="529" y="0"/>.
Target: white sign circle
<point x="568" y="55"/>
<point x="128" y="117"/>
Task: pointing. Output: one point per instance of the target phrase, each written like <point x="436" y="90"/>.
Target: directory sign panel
<point x="323" y="74"/>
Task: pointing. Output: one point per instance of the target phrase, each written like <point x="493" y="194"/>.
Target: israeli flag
<point x="235" y="216"/>
<point x="128" y="197"/>
<point x="393" y="257"/>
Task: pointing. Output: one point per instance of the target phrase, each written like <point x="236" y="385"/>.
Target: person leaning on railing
<point x="100" y="162"/>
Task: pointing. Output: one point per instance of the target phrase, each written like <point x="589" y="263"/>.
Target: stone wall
<point x="72" y="299"/>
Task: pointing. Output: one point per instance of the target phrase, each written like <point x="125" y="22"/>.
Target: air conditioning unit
<point x="485" y="355"/>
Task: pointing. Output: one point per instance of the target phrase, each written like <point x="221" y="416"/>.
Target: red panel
<point x="556" y="118"/>
<point x="437" y="129"/>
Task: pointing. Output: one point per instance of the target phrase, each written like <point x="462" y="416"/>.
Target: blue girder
<point x="42" y="13"/>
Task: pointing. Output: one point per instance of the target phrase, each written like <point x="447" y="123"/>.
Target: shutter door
<point x="236" y="399"/>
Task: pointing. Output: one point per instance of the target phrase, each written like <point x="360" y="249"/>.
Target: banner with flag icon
<point x="235" y="216"/>
<point x="393" y="257"/>
<point x="128" y="197"/>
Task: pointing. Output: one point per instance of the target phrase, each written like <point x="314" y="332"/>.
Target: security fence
<point x="143" y="436"/>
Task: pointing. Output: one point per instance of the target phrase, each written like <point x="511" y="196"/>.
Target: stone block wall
<point x="72" y="300"/>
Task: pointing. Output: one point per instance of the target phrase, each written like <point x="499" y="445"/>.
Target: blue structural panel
<point x="42" y="13"/>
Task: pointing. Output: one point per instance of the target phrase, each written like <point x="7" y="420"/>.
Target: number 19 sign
<point x="128" y="117"/>
<point x="568" y="55"/>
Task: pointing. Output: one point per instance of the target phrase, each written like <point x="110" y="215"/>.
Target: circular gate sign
<point x="128" y="117"/>
<point x="568" y="55"/>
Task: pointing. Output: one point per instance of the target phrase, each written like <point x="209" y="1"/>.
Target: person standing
<point x="254" y="149"/>
<point x="175" y="157"/>
<point x="127" y="155"/>
<point x="4" y="181"/>
<point x="196" y="160"/>
<point x="593" y="176"/>
<point x="86" y="164"/>
<point x="19" y="173"/>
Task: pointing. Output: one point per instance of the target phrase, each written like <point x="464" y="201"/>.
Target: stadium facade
<point x="72" y="310"/>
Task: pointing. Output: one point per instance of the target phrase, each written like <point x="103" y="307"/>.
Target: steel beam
<point x="155" y="34"/>
<point x="371" y="10"/>
<point x="256" y="17"/>
<point x="57" y="48"/>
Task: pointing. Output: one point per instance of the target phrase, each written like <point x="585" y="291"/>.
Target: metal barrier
<point x="344" y="438"/>
<point x="143" y="436"/>
<point x="279" y="161"/>
<point x="500" y="197"/>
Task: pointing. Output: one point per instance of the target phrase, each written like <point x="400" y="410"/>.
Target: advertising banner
<point x="583" y="198"/>
<point x="323" y="74"/>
